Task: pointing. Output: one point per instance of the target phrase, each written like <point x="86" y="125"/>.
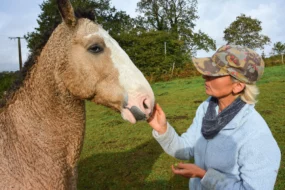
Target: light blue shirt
<point x="244" y="155"/>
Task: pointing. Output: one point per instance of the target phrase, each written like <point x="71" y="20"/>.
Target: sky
<point x="18" y="17"/>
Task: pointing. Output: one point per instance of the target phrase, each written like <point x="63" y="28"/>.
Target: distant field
<point x="118" y="155"/>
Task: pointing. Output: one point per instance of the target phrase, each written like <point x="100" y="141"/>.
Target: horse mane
<point x="23" y="74"/>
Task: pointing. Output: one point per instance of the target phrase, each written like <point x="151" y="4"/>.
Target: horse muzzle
<point x="139" y="110"/>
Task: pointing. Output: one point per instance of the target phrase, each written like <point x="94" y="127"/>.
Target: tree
<point x="147" y="50"/>
<point x="245" y="31"/>
<point x="263" y="55"/>
<point x="279" y="48"/>
<point x="176" y="17"/>
<point x="143" y="38"/>
<point x="49" y="18"/>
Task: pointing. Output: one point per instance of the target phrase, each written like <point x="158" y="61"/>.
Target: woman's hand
<point x="158" y="120"/>
<point x="188" y="170"/>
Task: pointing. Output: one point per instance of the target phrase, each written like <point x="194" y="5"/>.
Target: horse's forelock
<point x="85" y="13"/>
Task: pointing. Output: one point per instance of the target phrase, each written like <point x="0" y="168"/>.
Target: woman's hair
<point x="249" y="92"/>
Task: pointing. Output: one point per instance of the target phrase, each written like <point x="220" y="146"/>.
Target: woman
<point x="232" y="146"/>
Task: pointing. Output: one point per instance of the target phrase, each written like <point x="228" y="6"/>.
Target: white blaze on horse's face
<point x="120" y="85"/>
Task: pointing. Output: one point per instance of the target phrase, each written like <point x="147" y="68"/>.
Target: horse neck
<point x="44" y="96"/>
<point x="44" y="93"/>
<point x="45" y="115"/>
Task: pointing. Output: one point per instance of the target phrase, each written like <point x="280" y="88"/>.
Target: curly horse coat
<point x="42" y="125"/>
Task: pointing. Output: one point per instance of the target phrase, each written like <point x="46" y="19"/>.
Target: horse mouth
<point x="137" y="113"/>
<point x="133" y="114"/>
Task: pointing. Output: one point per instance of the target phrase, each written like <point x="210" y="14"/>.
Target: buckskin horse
<point x="42" y="125"/>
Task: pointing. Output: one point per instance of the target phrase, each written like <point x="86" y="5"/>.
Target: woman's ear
<point x="238" y="87"/>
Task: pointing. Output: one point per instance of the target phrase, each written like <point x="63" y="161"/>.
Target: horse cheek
<point x="110" y="93"/>
<point x="79" y="83"/>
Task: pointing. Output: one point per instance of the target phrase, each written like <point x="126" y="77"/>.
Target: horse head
<point x="96" y="68"/>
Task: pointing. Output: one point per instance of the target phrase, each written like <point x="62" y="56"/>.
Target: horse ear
<point x="67" y="12"/>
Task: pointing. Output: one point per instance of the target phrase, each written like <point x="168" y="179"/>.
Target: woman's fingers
<point x="157" y="113"/>
<point x="158" y="120"/>
<point x="159" y="110"/>
<point x="188" y="170"/>
<point x="179" y="166"/>
<point x="179" y="171"/>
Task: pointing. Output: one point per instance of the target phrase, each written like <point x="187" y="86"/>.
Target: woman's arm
<point x="181" y="147"/>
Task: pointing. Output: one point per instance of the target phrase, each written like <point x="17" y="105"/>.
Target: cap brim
<point x="207" y="67"/>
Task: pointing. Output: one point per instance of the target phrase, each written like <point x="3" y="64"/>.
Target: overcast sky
<point x="18" y="17"/>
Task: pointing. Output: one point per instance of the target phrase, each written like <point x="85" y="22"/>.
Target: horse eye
<point x="95" y="49"/>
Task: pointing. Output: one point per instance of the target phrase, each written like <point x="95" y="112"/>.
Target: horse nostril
<point x="145" y="105"/>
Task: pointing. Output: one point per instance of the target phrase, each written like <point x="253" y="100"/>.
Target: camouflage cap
<point x="242" y="63"/>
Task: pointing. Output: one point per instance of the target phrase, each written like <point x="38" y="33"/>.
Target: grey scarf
<point x="212" y="123"/>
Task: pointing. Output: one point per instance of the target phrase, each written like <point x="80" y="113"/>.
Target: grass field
<point x="118" y="155"/>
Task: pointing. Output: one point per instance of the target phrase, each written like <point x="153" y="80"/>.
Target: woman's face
<point x="219" y="87"/>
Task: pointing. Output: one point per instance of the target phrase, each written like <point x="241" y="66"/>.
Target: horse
<point x="42" y="125"/>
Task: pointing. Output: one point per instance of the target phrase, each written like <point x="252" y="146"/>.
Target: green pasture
<point x="118" y="155"/>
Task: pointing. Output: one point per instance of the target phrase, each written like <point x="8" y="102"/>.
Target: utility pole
<point x="19" y="50"/>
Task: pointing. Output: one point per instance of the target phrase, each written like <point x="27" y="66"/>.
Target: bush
<point x="6" y="80"/>
<point x="273" y="60"/>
